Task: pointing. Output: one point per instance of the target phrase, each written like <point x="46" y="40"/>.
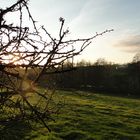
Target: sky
<point x="86" y="17"/>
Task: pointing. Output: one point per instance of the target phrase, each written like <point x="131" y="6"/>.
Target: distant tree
<point x="31" y="49"/>
<point x="136" y="58"/>
<point x="101" y="61"/>
<point x="83" y="63"/>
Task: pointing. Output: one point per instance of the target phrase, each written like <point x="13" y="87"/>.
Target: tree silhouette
<point x="31" y="49"/>
<point x="136" y="58"/>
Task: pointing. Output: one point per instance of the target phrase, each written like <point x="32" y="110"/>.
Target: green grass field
<point x="85" y="116"/>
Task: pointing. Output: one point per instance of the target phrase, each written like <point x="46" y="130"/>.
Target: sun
<point x="15" y="59"/>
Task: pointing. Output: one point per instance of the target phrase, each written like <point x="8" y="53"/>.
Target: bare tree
<point x="25" y="50"/>
<point x="101" y="61"/>
<point x="136" y="58"/>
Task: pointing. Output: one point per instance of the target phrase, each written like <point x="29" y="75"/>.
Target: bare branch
<point x="25" y="56"/>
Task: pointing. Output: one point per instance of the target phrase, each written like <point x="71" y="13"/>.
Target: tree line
<point x="100" y="76"/>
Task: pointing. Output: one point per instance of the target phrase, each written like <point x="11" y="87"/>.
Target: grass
<point x="85" y="116"/>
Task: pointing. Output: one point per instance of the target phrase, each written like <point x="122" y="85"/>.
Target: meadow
<point x="84" y="116"/>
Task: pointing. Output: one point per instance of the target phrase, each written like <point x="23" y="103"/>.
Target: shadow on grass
<point x="75" y="135"/>
<point x="14" y="130"/>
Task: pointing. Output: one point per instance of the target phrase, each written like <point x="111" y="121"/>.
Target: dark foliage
<point x="118" y="79"/>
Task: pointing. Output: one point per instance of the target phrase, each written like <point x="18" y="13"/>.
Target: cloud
<point x="87" y="21"/>
<point x="130" y="44"/>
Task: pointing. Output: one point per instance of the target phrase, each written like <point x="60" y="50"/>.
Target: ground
<point x="84" y="116"/>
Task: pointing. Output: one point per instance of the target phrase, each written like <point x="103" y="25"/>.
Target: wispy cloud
<point x="130" y="44"/>
<point x="88" y="20"/>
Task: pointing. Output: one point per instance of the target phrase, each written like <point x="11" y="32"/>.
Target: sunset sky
<point x="86" y="17"/>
